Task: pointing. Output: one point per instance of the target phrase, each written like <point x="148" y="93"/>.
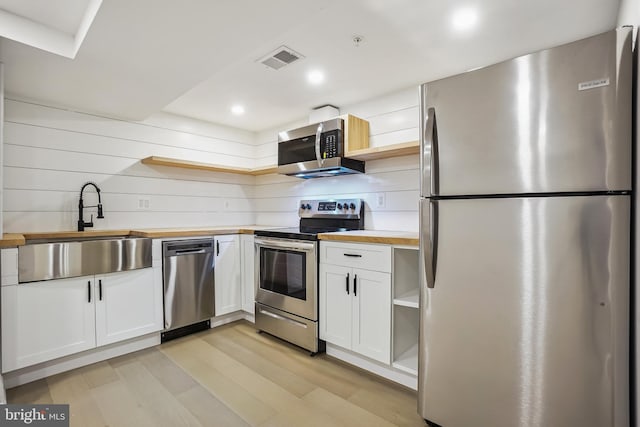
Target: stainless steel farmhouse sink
<point x="62" y="258"/>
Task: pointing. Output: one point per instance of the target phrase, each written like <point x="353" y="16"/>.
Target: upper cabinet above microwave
<point x="318" y="150"/>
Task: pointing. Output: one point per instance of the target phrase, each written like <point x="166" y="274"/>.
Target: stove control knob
<point x="339" y="206"/>
<point x="303" y="206"/>
<point x="352" y="206"/>
<point x="308" y="206"/>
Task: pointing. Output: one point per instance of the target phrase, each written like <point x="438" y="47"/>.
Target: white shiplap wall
<point x="50" y="152"/>
<point x="392" y="119"/>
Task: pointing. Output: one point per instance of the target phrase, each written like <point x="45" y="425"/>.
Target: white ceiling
<point x="58" y="27"/>
<point x="197" y="58"/>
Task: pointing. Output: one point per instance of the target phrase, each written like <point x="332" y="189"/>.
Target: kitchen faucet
<point x="81" y="207"/>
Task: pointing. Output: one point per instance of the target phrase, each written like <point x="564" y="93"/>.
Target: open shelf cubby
<point x="406" y="322"/>
<point x="405" y="276"/>
<point x="406" y="313"/>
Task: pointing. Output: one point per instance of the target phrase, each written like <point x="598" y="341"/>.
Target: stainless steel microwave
<point x="316" y="150"/>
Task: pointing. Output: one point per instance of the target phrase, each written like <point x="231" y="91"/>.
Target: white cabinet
<point x="371" y="335"/>
<point x="247" y="275"/>
<point x="45" y="320"/>
<point x="128" y="305"/>
<point x="336" y="304"/>
<point x="355" y="298"/>
<point x="227" y="275"/>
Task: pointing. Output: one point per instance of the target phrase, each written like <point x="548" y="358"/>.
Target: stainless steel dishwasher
<point x="188" y="279"/>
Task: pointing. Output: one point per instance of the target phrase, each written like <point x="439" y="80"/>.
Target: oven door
<point x="286" y="275"/>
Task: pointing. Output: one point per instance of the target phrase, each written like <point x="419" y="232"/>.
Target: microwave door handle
<point x="318" y="137"/>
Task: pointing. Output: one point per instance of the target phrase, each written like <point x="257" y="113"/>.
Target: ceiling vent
<point x="280" y="57"/>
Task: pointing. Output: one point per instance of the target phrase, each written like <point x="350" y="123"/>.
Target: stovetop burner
<point x="322" y="216"/>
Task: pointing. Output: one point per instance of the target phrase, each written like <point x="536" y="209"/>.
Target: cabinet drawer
<point x="368" y="257"/>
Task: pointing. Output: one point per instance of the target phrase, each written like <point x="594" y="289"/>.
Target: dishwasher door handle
<point x="189" y="251"/>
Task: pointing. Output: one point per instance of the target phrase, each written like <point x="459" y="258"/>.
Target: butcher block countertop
<point x="198" y="231"/>
<point x="16" y="239"/>
<point x="358" y="236"/>
<point x="10" y="240"/>
<point x="373" y="236"/>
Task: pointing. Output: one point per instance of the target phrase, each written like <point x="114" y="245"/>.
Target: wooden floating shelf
<point x="386" y="151"/>
<point x="394" y="150"/>
<point x="187" y="164"/>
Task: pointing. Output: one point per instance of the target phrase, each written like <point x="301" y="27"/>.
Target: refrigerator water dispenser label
<point x="593" y="84"/>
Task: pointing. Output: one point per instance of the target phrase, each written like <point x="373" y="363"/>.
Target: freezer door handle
<point x="432" y="135"/>
<point x="429" y="239"/>
<point x="430" y="155"/>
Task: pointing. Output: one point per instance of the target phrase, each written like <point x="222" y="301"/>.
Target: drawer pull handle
<point x="353" y="255"/>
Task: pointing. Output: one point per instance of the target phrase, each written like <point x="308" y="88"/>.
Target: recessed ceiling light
<point x="237" y="110"/>
<point x="315" y="77"/>
<point x="464" y="19"/>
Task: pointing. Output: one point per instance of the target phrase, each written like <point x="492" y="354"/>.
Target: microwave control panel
<point x="330" y="144"/>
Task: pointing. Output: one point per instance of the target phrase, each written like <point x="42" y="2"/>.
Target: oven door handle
<point x="293" y="246"/>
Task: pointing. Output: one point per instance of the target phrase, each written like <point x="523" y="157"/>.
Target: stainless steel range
<point x="287" y="270"/>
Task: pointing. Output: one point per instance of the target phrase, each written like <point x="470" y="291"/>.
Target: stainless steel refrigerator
<point x="525" y="240"/>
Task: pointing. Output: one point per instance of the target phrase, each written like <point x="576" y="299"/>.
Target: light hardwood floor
<point x="228" y="376"/>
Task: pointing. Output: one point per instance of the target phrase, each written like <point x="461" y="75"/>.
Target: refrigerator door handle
<point x="429" y="240"/>
<point x="430" y="151"/>
<point x="434" y="240"/>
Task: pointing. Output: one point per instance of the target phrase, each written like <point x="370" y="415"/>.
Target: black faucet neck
<point x="94" y="186"/>
<point x="81" y="223"/>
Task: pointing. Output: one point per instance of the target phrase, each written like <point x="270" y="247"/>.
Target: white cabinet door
<point x="227" y="275"/>
<point x="128" y="305"/>
<point x="46" y="320"/>
<point x="248" y="272"/>
<point x="372" y="314"/>
<point x="336" y="304"/>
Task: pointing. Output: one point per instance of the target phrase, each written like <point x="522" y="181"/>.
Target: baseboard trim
<point x="46" y="369"/>
<point x="67" y="363"/>
<point x="231" y="317"/>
